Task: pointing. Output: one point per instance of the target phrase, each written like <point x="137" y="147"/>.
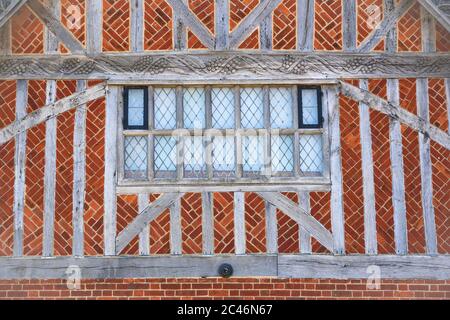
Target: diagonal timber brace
<point x="295" y="212"/>
<point x="144" y="218"/>
<point x="50" y="111"/>
<point x="396" y="112"/>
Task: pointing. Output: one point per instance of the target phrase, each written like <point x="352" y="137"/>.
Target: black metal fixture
<point x="226" y="270"/>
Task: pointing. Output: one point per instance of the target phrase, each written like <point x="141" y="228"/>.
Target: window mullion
<point x="121" y="140"/>
<point x="208" y="138"/>
<point x="180" y="138"/>
<point x="267" y="136"/>
<point x="151" y="126"/>
<point x="295" y="114"/>
<point x="238" y="137"/>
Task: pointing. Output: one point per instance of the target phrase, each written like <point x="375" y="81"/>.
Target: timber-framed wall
<point x="383" y="199"/>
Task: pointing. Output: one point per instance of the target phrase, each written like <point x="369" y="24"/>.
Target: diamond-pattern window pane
<point x="165" y="108"/>
<point x="135" y="107"/>
<point x="223" y="158"/>
<point x="282" y="154"/>
<point x="165" y="152"/>
<point x="310" y="107"/>
<point x="194" y="157"/>
<point x="253" y="154"/>
<point x="281" y="108"/>
<point x="311" y="153"/>
<point x="222" y="108"/>
<point x="194" y="108"/>
<point x="135" y="157"/>
<point x="252" y="110"/>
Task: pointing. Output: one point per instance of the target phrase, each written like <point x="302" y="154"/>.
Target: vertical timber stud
<point x="304" y="236"/>
<point x="110" y="198"/>
<point x="208" y="223"/>
<point x="337" y="205"/>
<point x="305" y="25"/>
<point x="175" y="228"/>
<point x="265" y="32"/>
<point x="239" y="223"/>
<point x="271" y="229"/>
<point x="222" y="24"/>
<point x="370" y="227"/>
<point x="5" y="38"/>
<point x="396" y="149"/>
<point x="179" y="33"/>
<point x="428" y="45"/>
<point x="447" y="94"/>
<point x="50" y="46"/>
<point x="79" y="175"/>
<point x="349" y="25"/>
<point x="144" y="235"/>
<point x="94" y="26"/>
<point x="19" y="167"/>
<point x="137" y="25"/>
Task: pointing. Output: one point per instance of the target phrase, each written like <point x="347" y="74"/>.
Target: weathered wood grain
<point x="370" y="224"/>
<point x="144" y="235"/>
<point x="271" y="229"/>
<point x="50" y="111"/>
<point x="152" y="211"/>
<point x="208" y="223"/>
<point x="436" y="12"/>
<point x="192" y="22"/>
<point x="297" y="214"/>
<point x="94" y="26"/>
<point x="305" y="25"/>
<point x="175" y="228"/>
<point x="222" y="24"/>
<point x="239" y="223"/>
<point x="232" y="66"/>
<point x="304" y="199"/>
<point x="110" y="178"/>
<point x="79" y="175"/>
<point x="19" y="168"/>
<point x="137" y="25"/>
<point x="349" y="30"/>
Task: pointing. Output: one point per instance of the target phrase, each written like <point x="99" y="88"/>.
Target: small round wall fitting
<point x="226" y="270"/>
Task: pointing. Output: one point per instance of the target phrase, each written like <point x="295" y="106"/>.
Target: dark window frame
<point x="126" y="126"/>
<point x="301" y="125"/>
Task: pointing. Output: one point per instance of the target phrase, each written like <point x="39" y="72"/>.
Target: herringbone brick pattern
<point x="191" y="223"/>
<point x="64" y="173"/>
<point x="7" y="103"/>
<point x="28" y="33"/>
<point x="369" y="16"/>
<point x="288" y="240"/>
<point x="116" y="25"/>
<point x="284" y="26"/>
<point x="352" y="176"/>
<point x="160" y="232"/>
<point x="382" y="173"/>
<point x="95" y="152"/>
<point x="442" y="39"/>
<point x="158" y="25"/>
<point x="328" y="25"/>
<point x="127" y="210"/>
<point x="321" y="210"/>
<point x="73" y="16"/>
<point x="204" y="10"/>
<point x="255" y="223"/>
<point x="223" y="222"/>
<point x="239" y="9"/>
<point x="438" y="104"/>
<point x="416" y="237"/>
<point x="409" y="38"/>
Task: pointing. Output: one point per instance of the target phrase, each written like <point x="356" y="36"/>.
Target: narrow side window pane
<point x="223" y="158"/>
<point x="281" y="108"/>
<point x="136" y="108"/>
<point x="222" y="108"/>
<point x="252" y="110"/>
<point x="194" y="108"/>
<point x="136" y="157"/>
<point x="165" y="108"/>
<point x="252" y="155"/>
<point x="311" y="154"/>
<point x="194" y="157"/>
<point x="310" y="107"/>
<point x="165" y="157"/>
<point x="282" y="154"/>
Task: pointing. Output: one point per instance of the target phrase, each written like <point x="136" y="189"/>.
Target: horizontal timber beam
<point x="396" y="112"/>
<point x="286" y="266"/>
<point x="233" y="66"/>
<point x="50" y="111"/>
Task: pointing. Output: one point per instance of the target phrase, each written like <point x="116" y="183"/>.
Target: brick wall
<point x="27" y="38"/>
<point x="217" y="288"/>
